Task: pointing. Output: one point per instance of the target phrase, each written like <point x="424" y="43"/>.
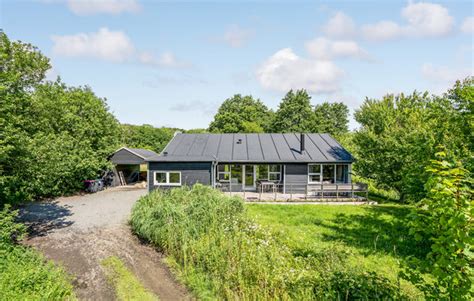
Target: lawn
<point x="376" y="237"/>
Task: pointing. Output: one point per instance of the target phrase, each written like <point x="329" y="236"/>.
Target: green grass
<point x="304" y="252"/>
<point x="126" y="285"/>
<point x="376" y="237"/>
<point x="24" y="273"/>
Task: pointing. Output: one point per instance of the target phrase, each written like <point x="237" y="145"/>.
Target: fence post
<point x="337" y="192"/>
<point x="321" y="195"/>
<point x="230" y="189"/>
<point x="291" y="192"/>
<point x="352" y="190"/>
<point x="306" y="192"/>
<point x="244" y="194"/>
<point x="275" y="192"/>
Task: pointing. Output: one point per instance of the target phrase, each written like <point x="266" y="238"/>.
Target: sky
<point x="172" y="63"/>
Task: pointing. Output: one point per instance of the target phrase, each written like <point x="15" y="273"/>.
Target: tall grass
<point x="221" y="253"/>
<point x="24" y="273"/>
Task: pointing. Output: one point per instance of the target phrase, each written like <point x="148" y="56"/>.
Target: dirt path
<point x="79" y="232"/>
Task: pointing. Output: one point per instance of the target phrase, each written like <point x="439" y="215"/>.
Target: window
<point x="328" y="174"/>
<point x="274" y="173"/>
<point x="223" y="173"/>
<point x="342" y="172"/>
<point x="314" y="173"/>
<point x="168" y="178"/>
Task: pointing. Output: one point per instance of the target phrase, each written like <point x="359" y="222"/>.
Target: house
<point x="131" y="163"/>
<point x="248" y="162"/>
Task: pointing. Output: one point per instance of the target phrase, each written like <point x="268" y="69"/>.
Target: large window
<point x="328" y="173"/>
<point x="168" y="178"/>
<point x="314" y="173"/>
<point x="223" y="173"/>
<point x="274" y="173"/>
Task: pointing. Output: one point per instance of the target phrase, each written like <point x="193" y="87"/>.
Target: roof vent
<point x="165" y="154"/>
<point x="239" y="141"/>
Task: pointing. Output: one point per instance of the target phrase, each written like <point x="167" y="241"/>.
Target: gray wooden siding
<point x="123" y="156"/>
<point x="191" y="172"/>
<point x="296" y="178"/>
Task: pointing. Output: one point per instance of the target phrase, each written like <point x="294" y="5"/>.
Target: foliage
<point x="294" y="113"/>
<point x="54" y="136"/>
<point x="127" y="286"/>
<point x="241" y="114"/>
<point x="444" y="218"/>
<point x="399" y="135"/>
<point x="146" y="136"/>
<point x="223" y="254"/>
<point x="24" y="273"/>
<point x="331" y="118"/>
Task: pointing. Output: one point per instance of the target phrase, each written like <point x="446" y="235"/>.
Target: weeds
<point x="127" y="286"/>
<point x="221" y="253"/>
<point x="24" y="273"/>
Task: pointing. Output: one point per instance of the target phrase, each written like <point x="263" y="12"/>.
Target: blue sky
<point x="173" y="63"/>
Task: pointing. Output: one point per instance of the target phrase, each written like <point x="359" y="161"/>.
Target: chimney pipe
<point x="301" y="142"/>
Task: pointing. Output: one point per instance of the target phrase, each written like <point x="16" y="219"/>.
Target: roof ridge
<point x="274" y="145"/>
<point x="284" y="138"/>
<point x="330" y="146"/>
<point x="191" y="146"/>
<point x="205" y="145"/>
<point x="260" y="143"/>
<point x="315" y="144"/>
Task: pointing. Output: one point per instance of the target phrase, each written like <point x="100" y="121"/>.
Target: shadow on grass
<point x="381" y="229"/>
<point x="43" y="217"/>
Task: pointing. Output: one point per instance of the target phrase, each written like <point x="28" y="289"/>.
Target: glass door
<point x="249" y="177"/>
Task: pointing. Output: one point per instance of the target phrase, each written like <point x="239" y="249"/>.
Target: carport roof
<point x="255" y="148"/>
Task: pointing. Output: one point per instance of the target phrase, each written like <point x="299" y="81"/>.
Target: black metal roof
<point x="255" y="148"/>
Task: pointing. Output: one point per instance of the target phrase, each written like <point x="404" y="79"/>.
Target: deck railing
<point x="278" y="191"/>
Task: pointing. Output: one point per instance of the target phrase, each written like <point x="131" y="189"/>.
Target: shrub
<point x="24" y="273"/>
<point x="221" y="253"/>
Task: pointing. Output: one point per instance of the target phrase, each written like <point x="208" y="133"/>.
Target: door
<point x="249" y="177"/>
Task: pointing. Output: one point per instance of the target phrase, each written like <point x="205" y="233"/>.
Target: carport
<point x="130" y="165"/>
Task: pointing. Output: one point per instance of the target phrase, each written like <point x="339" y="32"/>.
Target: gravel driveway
<point x="79" y="232"/>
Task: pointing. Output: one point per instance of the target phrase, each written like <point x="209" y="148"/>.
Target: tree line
<point x="245" y="114"/>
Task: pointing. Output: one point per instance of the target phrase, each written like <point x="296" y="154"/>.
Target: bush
<point x="221" y="253"/>
<point x="24" y="273"/>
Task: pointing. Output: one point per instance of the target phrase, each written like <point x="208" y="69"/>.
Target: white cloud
<point x="325" y="49"/>
<point x="166" y="59"/>
<point x="236" y="36"/>
<point x="424" y="19"/>
<point x="340" y="26"/>
<point x="112" y="46"/>
<point x="105" y="44"/>
<point x="444" y="75"/>
<point x="284" y="70"/>
<point x="91" y="7"/>
<point x="383" y="30"/>
<point x="468" y="25"/>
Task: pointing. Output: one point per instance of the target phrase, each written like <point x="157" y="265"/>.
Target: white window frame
<point x="167" y="183"/>
<point x="274" y="172"/>
<point x="224" y="173"/>
<point x="320" y="174"/>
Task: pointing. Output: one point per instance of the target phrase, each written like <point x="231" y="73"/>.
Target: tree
<point x="294" y="113"/>
<point x="331" y="118"/>
<point x="444" y="218"/>
<point x="147" y="136"/>
<point x="53" y="136"/>
<point x="241" y="115"/>
<point x="399" y="134"/>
